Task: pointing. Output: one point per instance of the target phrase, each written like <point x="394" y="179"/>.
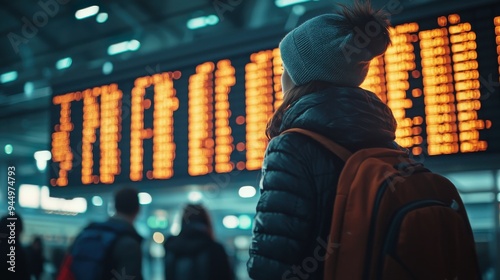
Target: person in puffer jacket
<point x="325" y="60"/>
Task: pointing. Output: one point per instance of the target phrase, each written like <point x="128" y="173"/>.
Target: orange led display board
<point x="439" y="77"/>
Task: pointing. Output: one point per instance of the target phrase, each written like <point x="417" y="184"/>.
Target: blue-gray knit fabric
<point x="318" y="50"/>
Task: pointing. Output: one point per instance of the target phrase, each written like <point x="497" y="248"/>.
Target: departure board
<point x="440" y="77"/>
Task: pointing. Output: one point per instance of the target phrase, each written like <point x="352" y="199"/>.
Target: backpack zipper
<point x="395" y="226"/>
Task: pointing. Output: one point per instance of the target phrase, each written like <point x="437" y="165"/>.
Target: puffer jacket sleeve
<point x="285" y="211"/>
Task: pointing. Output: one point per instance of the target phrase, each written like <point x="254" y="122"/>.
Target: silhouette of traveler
<point x="110" y="249"/>
<point x="194" y="254"/>
<point x="392" y="218"/>
<point x="13" y="258"/>
<point x="36" y="257"/>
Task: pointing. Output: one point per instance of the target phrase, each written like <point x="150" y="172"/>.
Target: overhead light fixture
<point x="97" y="200"/>
<point x="230" y="221"/>
<point x="29" y="196"/>
<point x="43" y="155"/>
<point x="107" y="68"/>
<point x="75" y="205"/>
<point x="102" y="17"/>
<point x="124" y="46"/>
<point x="244" y="222"/>
<point x="41" y="158"/>
<point x="285" y="3"/>
<point x="195" y="196"/>
<point x="242" y="242"/>
<point x="8" y="77"/>
<point x="29" y="87"/>
<point x="86" y="12"/>
<point x="203" y="21"/>
<point x="133" y="45"/>
<point x="158" y="237"/>
<point x="64" y="63"/>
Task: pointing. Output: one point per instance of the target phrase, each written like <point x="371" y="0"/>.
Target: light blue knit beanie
<point x="336" y="47"/>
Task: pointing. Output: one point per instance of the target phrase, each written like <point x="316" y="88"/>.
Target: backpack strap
<point x="335" y="148"/>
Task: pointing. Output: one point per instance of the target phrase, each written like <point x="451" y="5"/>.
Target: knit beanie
<point x="336" y="47"/>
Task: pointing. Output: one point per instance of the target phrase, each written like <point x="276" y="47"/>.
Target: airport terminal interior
<point x="172" y="98"/>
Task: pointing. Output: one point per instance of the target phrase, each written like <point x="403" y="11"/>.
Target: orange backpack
<point x="394" y="219"/>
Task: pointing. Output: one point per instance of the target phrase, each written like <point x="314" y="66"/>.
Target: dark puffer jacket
<point x="299" y="179"/>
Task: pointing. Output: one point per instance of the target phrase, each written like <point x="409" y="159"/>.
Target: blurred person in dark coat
<point x="194" y="253"/>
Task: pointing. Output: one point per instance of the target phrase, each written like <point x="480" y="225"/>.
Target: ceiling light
<point x="145" y="198"/>
<point x="230" y="221"/>
<point x="97" y="200"/>
<point x="211" y="20"/>
<point x="29" y="87"/>
<point x="195" y="196"/>
<point x="8" y="149"/>
<point x="245" y="222"/>
<point x="43" y="155"/>
<point x="102" y="17"/>
<point x="64" y="63"/>
<point x="41" y="158"/>
<point x="8" y="77"/>
<point x="158" y="237"/>
<point x="200" y="22"/>
<point x="107" y="68"/>
<point x="133" y="45"/>
<point x="29" y="196"/>
<point x="86" y="12"/>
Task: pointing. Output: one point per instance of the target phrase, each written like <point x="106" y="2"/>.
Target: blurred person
<point x="194" y="254"/>
<point x="14" y="263"/>
<point x="36" y="257"/>
<point x="110" y="249"/>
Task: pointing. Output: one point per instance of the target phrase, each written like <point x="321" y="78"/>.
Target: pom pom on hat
<point x="336" y="47"/>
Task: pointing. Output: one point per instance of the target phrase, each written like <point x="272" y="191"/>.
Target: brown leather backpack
<point x="395" y="219"/>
